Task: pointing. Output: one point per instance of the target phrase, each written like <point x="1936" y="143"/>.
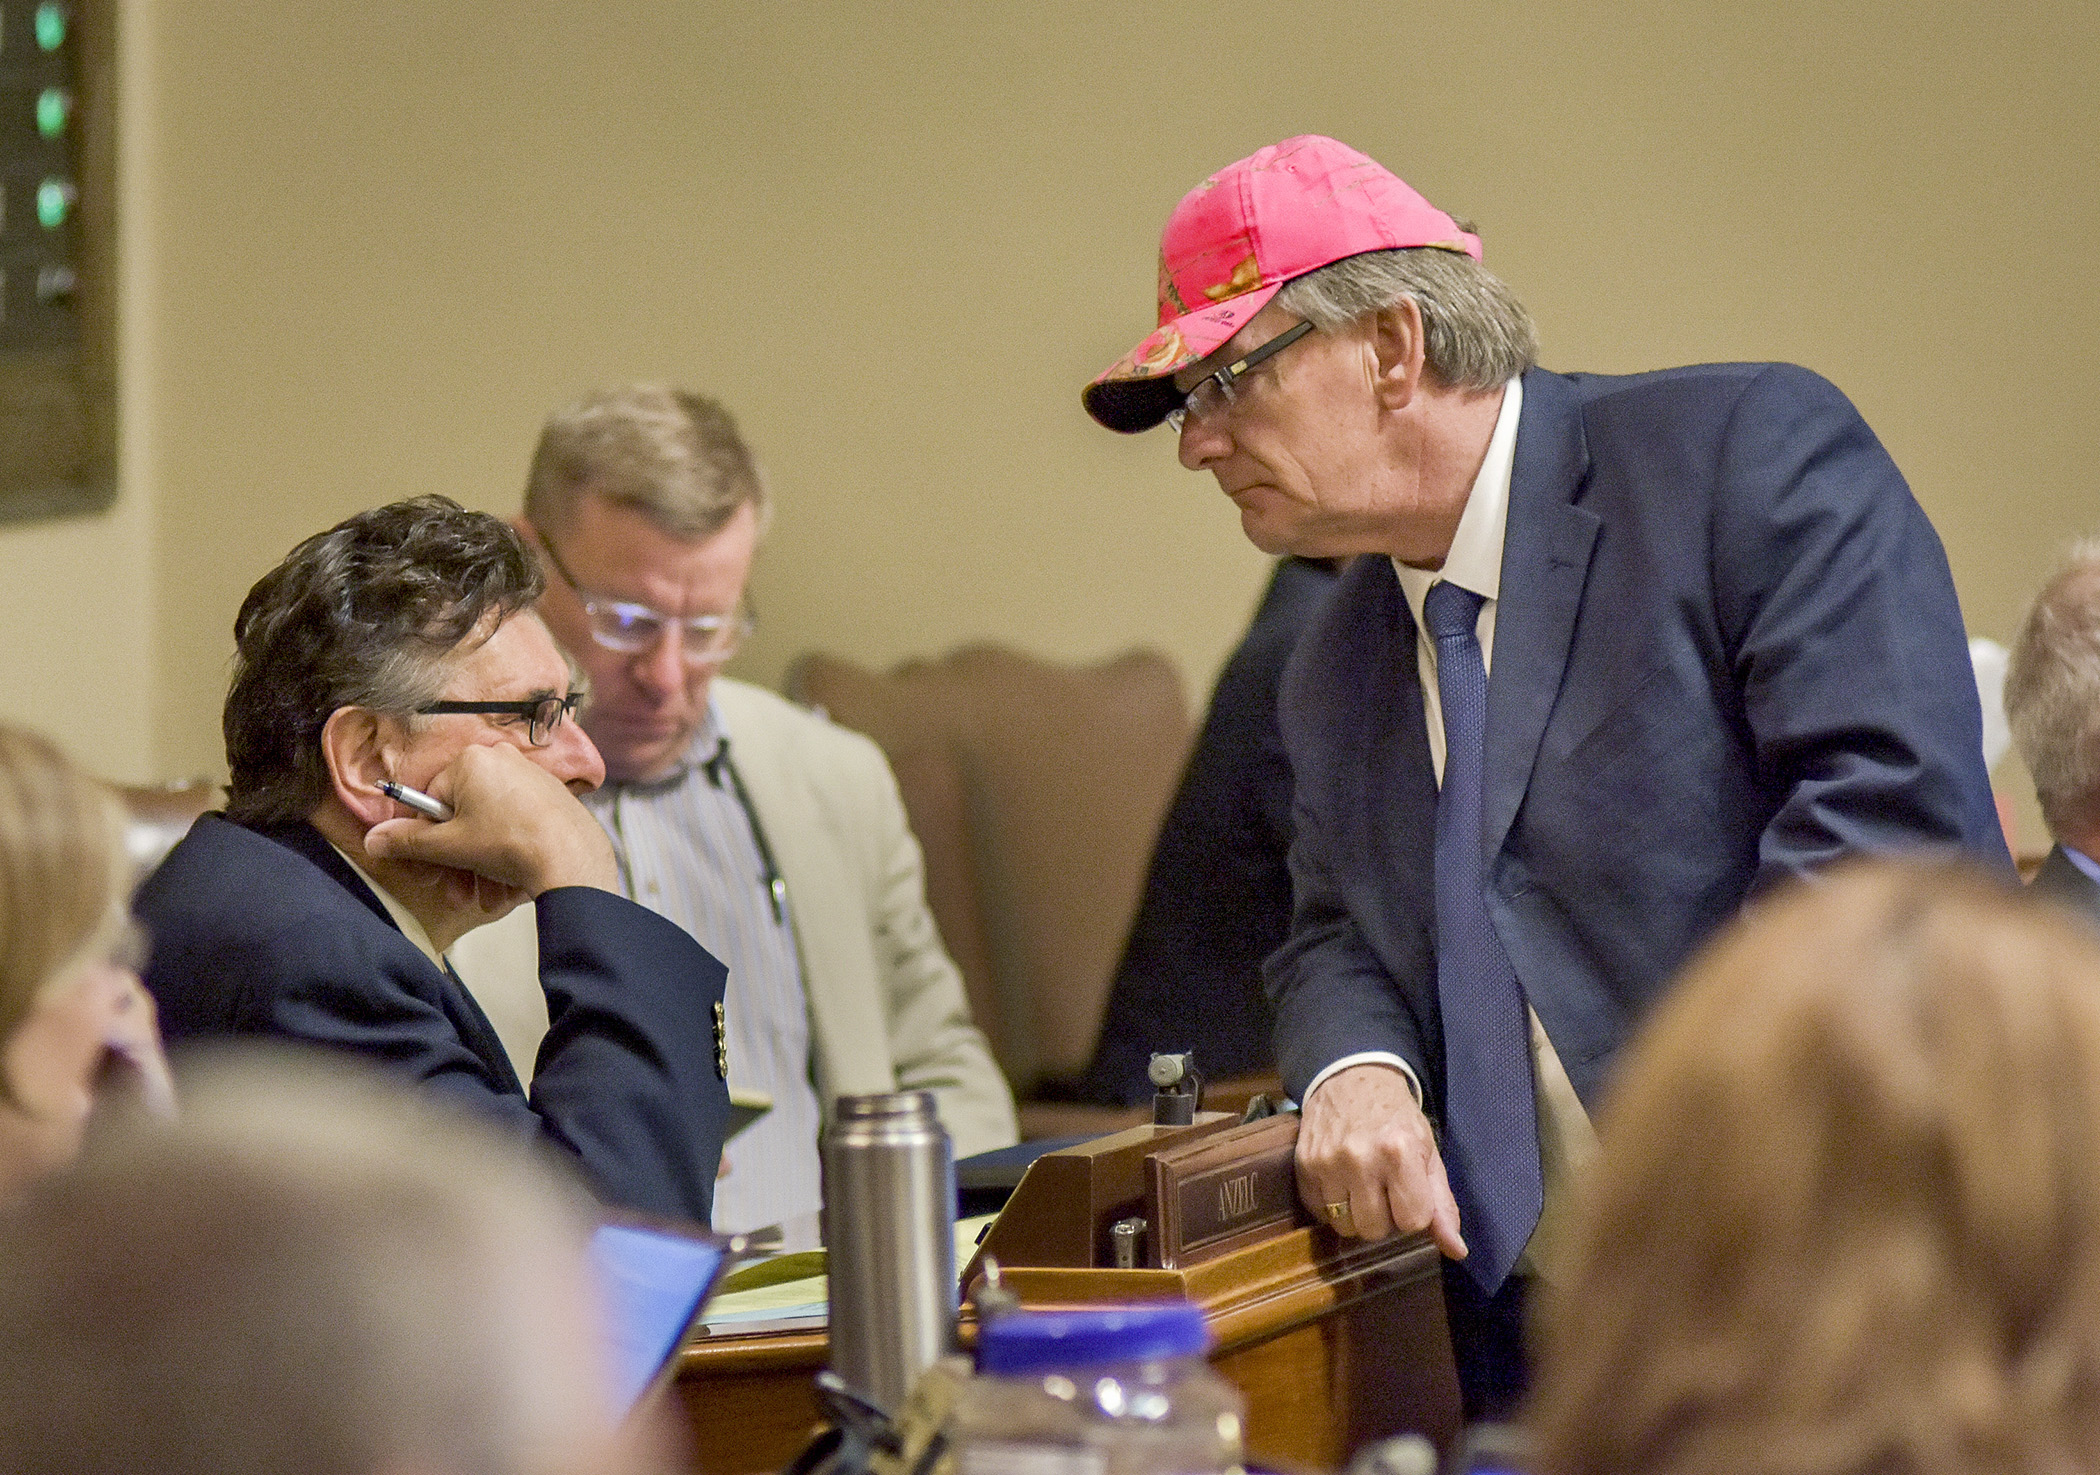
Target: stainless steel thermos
<point x="889" y="1235"/>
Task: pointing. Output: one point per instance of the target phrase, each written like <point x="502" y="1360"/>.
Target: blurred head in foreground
<point x="311" y="1272"/>
<point x="1847" y="1214"/>
<point x="72" y="1013"/>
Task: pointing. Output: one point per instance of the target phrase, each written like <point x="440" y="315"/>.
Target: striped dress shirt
<point x="688" y="851"/>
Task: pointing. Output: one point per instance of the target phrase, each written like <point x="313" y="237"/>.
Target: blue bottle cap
<point x="1046" y="1341"/>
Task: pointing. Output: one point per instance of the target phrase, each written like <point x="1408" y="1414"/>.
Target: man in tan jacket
<point x="775" y="837"/>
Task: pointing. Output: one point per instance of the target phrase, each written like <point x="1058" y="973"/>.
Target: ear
<point x="1397" y="354"/>
<point x="361" y="748"/>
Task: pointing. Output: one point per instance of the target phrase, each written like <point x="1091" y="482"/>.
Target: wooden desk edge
<point x="1252" y="1294"/>
<point x="750" y="1352"/>
<point x="748" y="1396"/>
<point x="1350" y="1271"/>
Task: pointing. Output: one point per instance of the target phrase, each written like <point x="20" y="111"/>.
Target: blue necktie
<point x="1491" y="1141"/>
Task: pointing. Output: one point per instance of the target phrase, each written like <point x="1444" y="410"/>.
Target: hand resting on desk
<point x="1365" y="1142"/>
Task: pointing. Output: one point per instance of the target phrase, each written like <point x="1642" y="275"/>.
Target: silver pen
<point x="417" y="800"/>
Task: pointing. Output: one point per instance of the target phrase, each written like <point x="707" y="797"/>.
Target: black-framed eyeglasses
<point x="1215" y="392"/>
<point x="541" y="715"/>
<point x="630" y="628"/>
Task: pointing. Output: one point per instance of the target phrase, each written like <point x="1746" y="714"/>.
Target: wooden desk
<point x="747" y="1399"/>
<point x="1333" y="1342"/>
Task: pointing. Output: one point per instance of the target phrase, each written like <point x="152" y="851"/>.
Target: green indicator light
<point x="53" y="106"/>
<point x="50" y="27"/>
<point x="54" y="202"/>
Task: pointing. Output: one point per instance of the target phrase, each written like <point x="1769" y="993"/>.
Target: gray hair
<point x="314" y="1270"/>
<point x="368" y="614"/>
<point x="1477" y="334"/>
<point x="671" y="455"/>
<point x="2052" y="691"/>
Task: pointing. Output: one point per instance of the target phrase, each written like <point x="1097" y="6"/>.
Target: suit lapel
<point x="468" y="1017"/>
<point x="305" y="840"/>
<point x="1545" y="564"/>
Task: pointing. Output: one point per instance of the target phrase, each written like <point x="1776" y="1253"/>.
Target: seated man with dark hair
<point x="400" y="648"/>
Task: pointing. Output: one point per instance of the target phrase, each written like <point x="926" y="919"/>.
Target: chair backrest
<point x="161" y="814"/>
<point x="1036" y="791"/>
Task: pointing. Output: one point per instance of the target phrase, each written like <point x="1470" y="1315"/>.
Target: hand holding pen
<point x="417" y="800"/>
<point x="504" y="818"/>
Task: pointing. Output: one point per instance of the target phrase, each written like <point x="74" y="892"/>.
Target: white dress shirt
<point x="1474" y="562"/>
<point x="405" y="919"/>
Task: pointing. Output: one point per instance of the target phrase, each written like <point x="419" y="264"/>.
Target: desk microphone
<point x="1178" y="1089"/>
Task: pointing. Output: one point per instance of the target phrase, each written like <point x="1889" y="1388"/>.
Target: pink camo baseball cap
<point x="1241" y="234"/>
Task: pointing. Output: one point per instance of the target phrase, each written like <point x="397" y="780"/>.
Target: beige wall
<point x="77" y="596"/>
<point x="380" y="240"/>
<point x="76" y="608"/>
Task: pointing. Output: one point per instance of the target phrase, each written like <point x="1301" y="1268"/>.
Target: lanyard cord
<point x="775" y="883"/>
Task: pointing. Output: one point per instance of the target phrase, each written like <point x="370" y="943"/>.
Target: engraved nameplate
<point x="1213" y="1195"/>
<point x="1236" y="1197"/>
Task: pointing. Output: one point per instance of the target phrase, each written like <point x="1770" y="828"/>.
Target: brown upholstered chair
<point x="1036" y="791"/>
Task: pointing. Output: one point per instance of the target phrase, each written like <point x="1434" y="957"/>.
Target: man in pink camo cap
<point x="1620" y="651"/>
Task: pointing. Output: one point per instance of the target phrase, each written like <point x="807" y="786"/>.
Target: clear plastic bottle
<point x="1115" y="1391"/>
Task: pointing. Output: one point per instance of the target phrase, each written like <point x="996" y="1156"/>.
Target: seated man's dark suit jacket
<point x="1727" y="650"/>
<point x="272" y="933"/>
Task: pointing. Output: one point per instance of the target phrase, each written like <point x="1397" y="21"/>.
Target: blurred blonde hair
<point x="1847" y="1214"/>
<point x="64" y="875"/>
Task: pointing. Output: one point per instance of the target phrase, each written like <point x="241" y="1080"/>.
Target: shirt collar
<point x="2084" y="862"/>
<point x="403" y="917"/>
<point x="707" y="741"/>
<point x="1475" y="559"/>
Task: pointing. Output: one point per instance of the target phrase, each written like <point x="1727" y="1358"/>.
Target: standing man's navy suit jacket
<point x="1727" y="650"/>
<point x="271" y="932"/>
